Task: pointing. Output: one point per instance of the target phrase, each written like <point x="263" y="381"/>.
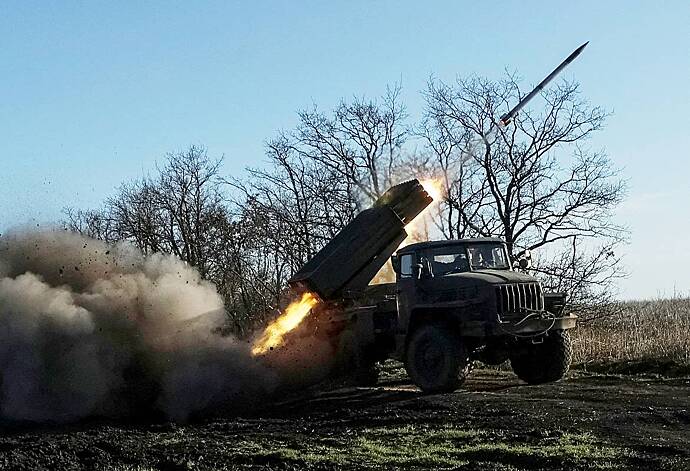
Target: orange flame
<point x="418" y="228"/>
<point x="435" y="188"/>
<point x="273" y="335"/>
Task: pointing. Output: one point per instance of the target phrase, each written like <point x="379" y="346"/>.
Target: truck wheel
<point x="544" y="362"/>
<point x="436" y="360"/>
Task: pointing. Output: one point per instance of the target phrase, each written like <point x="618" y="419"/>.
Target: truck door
<point x="405" y="290"/>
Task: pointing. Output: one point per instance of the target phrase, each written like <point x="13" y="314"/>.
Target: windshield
<point x="487" y="256"/>
<point x="462" y="258"/>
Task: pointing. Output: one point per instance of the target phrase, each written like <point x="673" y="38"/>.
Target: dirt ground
<point x="496" y="422"/>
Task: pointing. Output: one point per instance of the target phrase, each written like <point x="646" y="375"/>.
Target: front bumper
<point x="532" y="324"/>
<point x="538" y="324"/>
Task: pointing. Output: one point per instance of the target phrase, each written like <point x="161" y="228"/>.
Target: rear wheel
<point x="544" y="362"/>
<point x="436" y="359"/>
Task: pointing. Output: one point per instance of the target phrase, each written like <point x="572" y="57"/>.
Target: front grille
<point x="519" y="297"/>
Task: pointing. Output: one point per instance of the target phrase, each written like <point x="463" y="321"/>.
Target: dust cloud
<point x="89" y="329"/>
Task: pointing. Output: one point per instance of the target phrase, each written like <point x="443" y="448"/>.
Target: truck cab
<point x="461" y="300"/>
<point x="472" y="283"/>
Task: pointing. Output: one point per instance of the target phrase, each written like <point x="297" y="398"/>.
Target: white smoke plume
<point x="89" y="329"/>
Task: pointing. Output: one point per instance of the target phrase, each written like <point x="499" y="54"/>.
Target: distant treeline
<point x="533" y="183"/>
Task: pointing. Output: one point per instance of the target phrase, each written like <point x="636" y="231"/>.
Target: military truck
<point x="455" y="302"/>
<point x="452" y="302"/>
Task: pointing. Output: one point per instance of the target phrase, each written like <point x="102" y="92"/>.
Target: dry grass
<point x="645" y="336"/>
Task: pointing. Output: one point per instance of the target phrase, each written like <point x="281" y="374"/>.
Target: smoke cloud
<point x="92" y="329"/>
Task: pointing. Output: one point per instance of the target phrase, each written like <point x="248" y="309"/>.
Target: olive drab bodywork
<point x="481" y="300"/>
<point x="452" y="302"/>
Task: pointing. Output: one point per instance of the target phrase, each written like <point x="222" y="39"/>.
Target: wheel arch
<point x="421" y="316"/>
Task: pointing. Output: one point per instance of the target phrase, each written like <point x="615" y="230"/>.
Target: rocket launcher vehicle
<point x="351" y="259"/>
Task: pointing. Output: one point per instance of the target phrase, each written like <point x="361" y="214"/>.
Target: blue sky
<point x="93" y="93"/>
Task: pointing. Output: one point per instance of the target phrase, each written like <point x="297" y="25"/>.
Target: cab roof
<point x="444" y="243"/>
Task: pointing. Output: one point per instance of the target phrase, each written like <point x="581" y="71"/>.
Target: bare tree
<point x="181" y="211"/>
<point x="296" y="206"/>
<point x="187" y="196"/>
<point x="533" y="183"/>
<point x="96" y="224"/>
<point x="317" y="177"/>
<point x="361" y="142"/>
<point x="136" y="217"/>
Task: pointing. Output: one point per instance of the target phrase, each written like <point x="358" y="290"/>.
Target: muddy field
<point x="587" y="422"/>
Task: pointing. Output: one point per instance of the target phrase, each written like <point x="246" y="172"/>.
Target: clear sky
<point x="93" y="93"/>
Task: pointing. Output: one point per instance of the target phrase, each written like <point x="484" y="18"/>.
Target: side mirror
<point x="525" y="260"/>
<point x="395" y="261"/>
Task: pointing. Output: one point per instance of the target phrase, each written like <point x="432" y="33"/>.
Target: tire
<point x="436" y="359"/>
<point x="544" y="362"/>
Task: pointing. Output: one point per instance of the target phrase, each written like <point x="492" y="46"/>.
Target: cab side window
<point x="406" y="266"/>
